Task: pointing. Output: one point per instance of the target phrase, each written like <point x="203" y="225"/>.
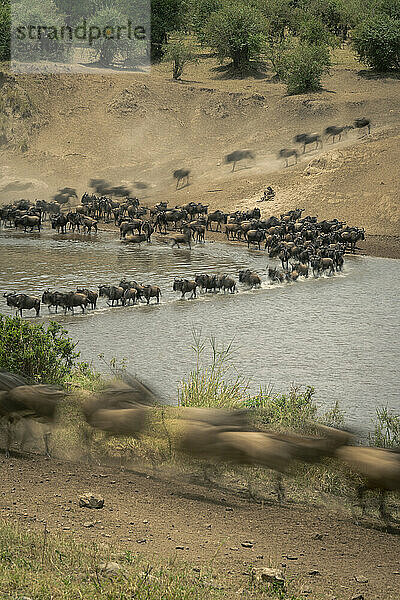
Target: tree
<point x="312" y="30"/>
<point x="198" y="14"/>
<point x="108" y="45"/>
<point x="238" y="32"/>
<point x="179" y="52"/>
<point x="166" y="16"/>
<point x="377" y="42"/>
<point x="301" y="66"/>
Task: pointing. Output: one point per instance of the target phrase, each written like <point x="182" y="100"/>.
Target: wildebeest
<point x="333" y="131"/>
<point x="287" y="153"/>
<point x="121" y="408"/>
<point x="151" y="291"/>
<point x="91" y="296"/>
<point x="52" y="299"/>
<point x="70" y="300"/>
<point x="250" y="278"/>
<point x="362" y="123"/>
<point x="182" y="238"/>
<point x="111" y="292"/>
<point x="218" y="217"/>
<point x="88" y="223"/>
<point x="22" y="302"/>
<point x="185" y="286"/>
<point x="20" y="401"/>
<point x="308" y="138"/>
<point x="255" y="236"/>
<point x="237" y="156"/>
<point x="29" y="221"/>
<point x="60" y="223"/>
<point x="380" y="469"/>
<point x="180" y="175"/>
<point x="130" y="295"/>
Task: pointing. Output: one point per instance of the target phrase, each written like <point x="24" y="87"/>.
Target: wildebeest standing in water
<point x="180" y="175"/>
<point x="238" y="155"/>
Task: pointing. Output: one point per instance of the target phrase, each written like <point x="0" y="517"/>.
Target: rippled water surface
<point x="339" y="334"/>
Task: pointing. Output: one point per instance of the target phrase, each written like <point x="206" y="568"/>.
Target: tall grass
<point x="216" y="384"/>
<point x="386" y="429"/>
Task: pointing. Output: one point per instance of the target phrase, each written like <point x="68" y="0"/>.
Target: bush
<point x="42" y="355"/>
<point x="301" y="66"/>
<point x="179" y="52"/>
<point x="377" y="42"/>
<point x="166" y="16"/>
<point x="238" y="32"/>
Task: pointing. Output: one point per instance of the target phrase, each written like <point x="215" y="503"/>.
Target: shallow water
<point x="339" y="334"/>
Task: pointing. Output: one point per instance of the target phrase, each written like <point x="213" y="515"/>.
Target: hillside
<point x="129" y="128"/>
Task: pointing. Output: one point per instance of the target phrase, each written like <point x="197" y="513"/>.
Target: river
<point x="340" y="334"/>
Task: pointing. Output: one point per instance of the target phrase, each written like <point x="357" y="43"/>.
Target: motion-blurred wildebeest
<point x="237" y="156"/>
<point x="64" y="195"/>
<point x="185" y="286"/>
<point x="361" y="123"/>
<point x="20" y="401"/>
<point x="307" y="139"/>
<point x="287" y="153"/>
<point x="180" y="175"/>
<point x="333" y="131"/>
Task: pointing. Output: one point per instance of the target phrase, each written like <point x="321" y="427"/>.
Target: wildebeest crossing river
<point x="340" y="334"/>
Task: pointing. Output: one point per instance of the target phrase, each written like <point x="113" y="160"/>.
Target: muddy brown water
<point x="339" y="334"/>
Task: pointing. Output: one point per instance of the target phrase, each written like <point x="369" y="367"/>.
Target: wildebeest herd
<point x="125" y="406"/>
<point x="332" y="132"/>
<point x="303" y="245"/>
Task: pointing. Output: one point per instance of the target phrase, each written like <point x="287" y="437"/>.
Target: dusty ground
<point x="139" y="128"/>
<point x="206" y="527"/>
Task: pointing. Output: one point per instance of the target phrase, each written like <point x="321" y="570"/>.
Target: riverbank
<point x="324" y="553"/>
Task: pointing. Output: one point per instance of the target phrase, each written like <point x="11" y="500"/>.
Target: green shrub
<point x="43" y="355"/>
<point x="377" y="42"/>
<point x="238" y="32"/>
<point x="302" y="65"/>
<point x="179" y="51"/>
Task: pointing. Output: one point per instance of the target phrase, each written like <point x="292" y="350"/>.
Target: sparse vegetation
<point x="51" y="567"/>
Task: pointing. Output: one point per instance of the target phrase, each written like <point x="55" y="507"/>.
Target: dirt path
<point x="204" y="526"/>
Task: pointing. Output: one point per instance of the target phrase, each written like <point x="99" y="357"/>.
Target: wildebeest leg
<point x="83" y="308"/>
<point x="234" y="165"/>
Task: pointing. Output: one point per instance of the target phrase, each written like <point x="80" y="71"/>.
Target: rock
<point x="234" y="548"/>
<point x="89" y="500"/>
<point x="179" y="547"/>
<point x="358" y="597"/>
<point x="314" y="572"/>
<point x="89" y="524"/>
<point x="247" y="544"/>
<point x="268" y="575"/>
<point x="317" y="536"/>
<point x="142" y="541"/>
<point x="361" y="579"/>
<point x="110" y="569"/>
